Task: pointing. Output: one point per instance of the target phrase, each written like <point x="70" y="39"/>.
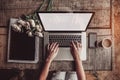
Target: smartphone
<point x="92" y="40"/>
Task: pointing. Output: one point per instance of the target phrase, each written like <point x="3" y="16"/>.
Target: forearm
<point x="53" y="50"/>
<point x="79" y="69"/>
<point x="45" y="70"/>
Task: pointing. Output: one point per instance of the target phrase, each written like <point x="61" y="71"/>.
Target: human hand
<point x="76" y="49"/>
<point x="52" y="50"/>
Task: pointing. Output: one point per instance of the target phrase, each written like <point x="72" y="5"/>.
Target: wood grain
<point x="15" y="8"/>
<point x="19" y="4"/>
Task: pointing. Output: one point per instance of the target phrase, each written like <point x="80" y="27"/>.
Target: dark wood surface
<point x="16" y="8"/>
<point x="98" y="59"/>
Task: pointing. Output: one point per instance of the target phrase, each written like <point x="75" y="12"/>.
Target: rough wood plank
<point x="19" y="4"/>
<point x="82" y="4"/>
<point x="100" y="31"/>
<point x="99" y="4"/>
<point x="101" y="19"/>
<point x="5" y="15"/>
<point x="91" y="57"/>
<point x="67" y="4"/>
<point x="3" y="31"/>
<point x="2" y="49"/>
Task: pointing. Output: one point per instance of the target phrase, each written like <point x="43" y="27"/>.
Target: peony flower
<point x="32" y="22"/>
<point x="29" y="33"/>
<point x="16" y="27"/>
<point x="20" y="21"/>
<point x="39" y="34"/>
<point x="20" y="26"/>
<point x="38" y="28"/>
<point x="27" y="26"/>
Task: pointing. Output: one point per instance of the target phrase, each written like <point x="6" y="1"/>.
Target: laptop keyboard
<point x="64" y="40"/>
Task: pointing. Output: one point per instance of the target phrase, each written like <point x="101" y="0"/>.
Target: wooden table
<point x="97" y="59"/>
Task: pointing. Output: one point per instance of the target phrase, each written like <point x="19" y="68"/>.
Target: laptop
<point x="64" y="27"/>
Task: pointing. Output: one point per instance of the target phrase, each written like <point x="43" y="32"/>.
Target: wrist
<point x="48" y="60"/>
<point x="77" y="58"/>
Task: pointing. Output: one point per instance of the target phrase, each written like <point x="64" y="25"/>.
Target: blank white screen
<point x="65" y="21"/>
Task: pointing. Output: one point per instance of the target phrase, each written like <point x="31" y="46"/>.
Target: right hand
<point x="76" y="49"/>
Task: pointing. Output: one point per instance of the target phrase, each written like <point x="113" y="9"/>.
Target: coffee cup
<point x="106" y="43"/>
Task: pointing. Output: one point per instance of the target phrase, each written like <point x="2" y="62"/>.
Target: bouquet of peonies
<point x="29" y="26"/>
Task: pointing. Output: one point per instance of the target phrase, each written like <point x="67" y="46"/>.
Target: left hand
<point x="52" y="50"/>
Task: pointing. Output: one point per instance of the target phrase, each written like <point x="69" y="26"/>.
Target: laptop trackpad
<point x="65" y="54"/>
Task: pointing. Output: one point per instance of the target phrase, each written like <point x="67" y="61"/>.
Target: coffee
<point x="106" y="43"/>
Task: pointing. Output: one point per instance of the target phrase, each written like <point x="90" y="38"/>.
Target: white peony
<point x="27" y="26"/>
<point x="32" y="22"/>
<point x="29" y="33"/>
<point x="39" y="34"/>
<point x="16" y="27"/>
<point x="20" y="21"/>
<point x="38" y="28"/>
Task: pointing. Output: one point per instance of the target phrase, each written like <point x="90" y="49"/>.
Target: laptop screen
<point x="65" y="21"/>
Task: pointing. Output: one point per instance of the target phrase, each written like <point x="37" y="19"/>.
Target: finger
<point x="54" y="45"/>
<point x="51" y="45"/>
<point x="73" y="45"/>
<point x="80" y="45"/>
<point x="71" y="49"/>
<point x="77" y="44"/>
<point x="57" y="49"/>
<point x="48" y="46"/>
